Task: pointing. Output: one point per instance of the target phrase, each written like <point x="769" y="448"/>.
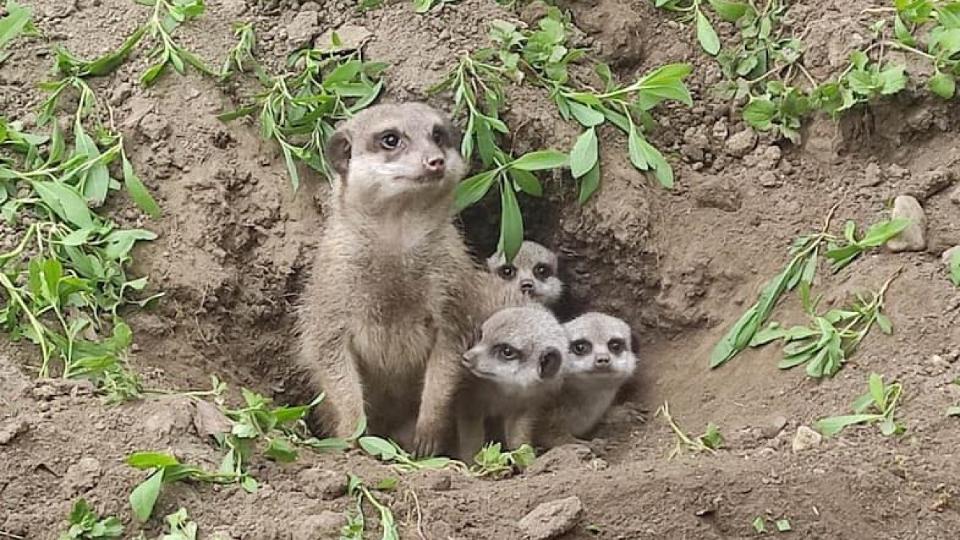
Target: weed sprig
<point x="85" y="524"/>
<point x="492" y="461"/>
<point x="542" y="55"/>
<point x="17" y="22"/>
<point x="881" y="399"/>
<point x="299" y="110"/>
<point x="388" y="451"/>
<point x="356" y="525"/>
<point x="710" y="441"/>
<point x="801" y="270"/>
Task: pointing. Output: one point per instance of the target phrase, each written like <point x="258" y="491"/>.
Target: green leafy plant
<point x="85" y="524"/>
<point x="783" y="525"/>
<point x="543" y="53"/>
<point x="934" y="26"/>
<point x="356" y="525"/>
<point x="389" y="451"/>
<point x="492" y="461"/>
<point x="710" y="441"/>
<point x="240" y="57"/>
<point x="759" y="525"/>
<point x="160" y="26"/>
<point x="801" y="270"/>
<point x="17" y="22"/>
<point x="181" y="527"/>
<point x="423" y="6"/>
<point x="832" y="337"/>
<point x="299" y="110"/>
<point x="165" y="469"/>
<point x="881" y="402"/>
<point x="64" y="277"/>
<point x="477" y="86"/>
<point x="694" y="10"/>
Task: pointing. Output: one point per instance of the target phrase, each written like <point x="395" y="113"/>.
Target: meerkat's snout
<point x="527" y="286"/>
<point x="435" y="165"/>
<point x="533" y="271"/>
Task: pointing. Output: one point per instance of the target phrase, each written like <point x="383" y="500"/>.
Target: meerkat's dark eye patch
<point x="581" y="347"/>
<point x="508" y="353"/>
<point x="542" y="271"/>
<point x="507" y="272"/>
<point x="549" y="364"/>
<point x="616" y="345"/>
<point x="389" y="140"/>
<point x="441" y="136"/>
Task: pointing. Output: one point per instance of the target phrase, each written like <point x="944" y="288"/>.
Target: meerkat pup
<point x="382" y="319"/>
<point x="533" y="272"/>
<point x="602" y="356"/>
<point x="514" y="370"/>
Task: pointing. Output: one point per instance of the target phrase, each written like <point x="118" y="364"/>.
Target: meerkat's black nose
<point x="526" y="285"/>
<point x="602" y="360"/>
<point x="435" y="164"/>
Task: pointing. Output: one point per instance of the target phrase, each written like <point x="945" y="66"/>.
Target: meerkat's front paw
<point x="428" y="440"/>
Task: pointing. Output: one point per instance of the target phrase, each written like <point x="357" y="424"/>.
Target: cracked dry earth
<point x="681" y="266"/>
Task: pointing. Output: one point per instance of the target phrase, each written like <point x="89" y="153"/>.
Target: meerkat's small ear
<point x="634" y="343"/>
<point x="337" y="152"/>
<point x="549" y="363"/>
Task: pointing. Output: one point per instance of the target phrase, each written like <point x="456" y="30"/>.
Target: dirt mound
<point x="680" y="265"/>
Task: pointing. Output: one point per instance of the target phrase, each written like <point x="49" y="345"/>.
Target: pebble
<point x="805" y="439"/>
<point x="741" y="143"/>
<point x="209" y="421"/>
<point x="552" y="519"/>
<point x="955" y="196"/>
<point x="913" y="238"/>
<point x="302" y="29"/>
<point x="10" y="430"/>
<point x="773" y="427"/>
<point x="323" y="484"/>
<point x="82" y="475"/>
<point x="872" y="176"/>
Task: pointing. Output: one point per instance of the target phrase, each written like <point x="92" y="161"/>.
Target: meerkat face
<point x="519" y="347"/>
<point x="600" y="346"/>
<point x="533" y="271"/>
<point x="387" y="151"/>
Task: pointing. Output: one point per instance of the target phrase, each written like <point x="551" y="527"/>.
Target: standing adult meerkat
<point x="533" y="271"/>
<point x="391" y="302"/>
<point x="601" y="358"/>
<point x="514" y="371"/>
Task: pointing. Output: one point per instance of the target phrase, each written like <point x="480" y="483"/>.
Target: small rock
<point x="534" y="11"/>
<point x="769" y="179"/>
<point x="872" y="176"/>
<point x="558" y="458"/>
<point x="323" y="484"/>
<point x="764" y="159"/>
<point x="120" y="94"/>
<point x="720" y="130"/>
<point x="82" y="475"/>
<point x="551" y="519"/>
<point x="10" y="430"/>
<point x="947" y="256"/>
<point x="154" y="127"/>
<point x="720" y="194"/>
<point x="741" y="143"/>
<point x="322" y="526"/>
<point x="441" y="483"/>
<point x="913" y="238"/>
<point x="209" y="421"/>
<point x="773" y="427"/>
<point x="302" y="29"/>
<point x="955" y="196"/>
<point x="352" y="37"/>
<point x="933" y="182"/>
<point x="806" y="439"/>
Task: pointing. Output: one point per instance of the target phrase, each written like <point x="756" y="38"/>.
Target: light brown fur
<point x="393" y="298"/>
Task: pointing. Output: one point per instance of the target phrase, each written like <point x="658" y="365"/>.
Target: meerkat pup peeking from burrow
<point x="392" y="299"/>
<point x="602" y="356"/>
<point x="512" y="372"/>
<point x="533" y="272"/>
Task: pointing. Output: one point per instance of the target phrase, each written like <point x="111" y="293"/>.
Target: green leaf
<point x="877" y="390"/>
<point x="730" y="11"/>
<point x="422" y="6"/>
<point x="144" y="497"/>
<point x="138" y="192"/>
<point x="511" y="223"/>
<point x="589" y="183"/>
<point x="759" y="525"/>
<point x="281" y="450"/>
<point x="902" y="33"/>
<point x="828" y="427"/>
<point x="953" y="411"/>
<point x="151" y="460"/>
<point x="587" y="116"/>
<point x="893" y="80"/>
<point x="783" y="525"/>
<point x="291" y="167"/>
<point x="584" y="155"/>
<point x="17" y="19"/>
<point x="759" y="113"/>
<point x="707" y="35"/>
<point x="377" y="447"/>
<point x="473" y="189"/>
<point x="96" y="180"/>
<point x="526" y="181"/>
<point x="884" y="323"/>
<point x="540" y="160"/>
<point x="943" y="84"/>
<point x="64" y="201"/>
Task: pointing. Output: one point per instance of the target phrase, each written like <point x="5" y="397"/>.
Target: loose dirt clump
<point x="681" y="265"/>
